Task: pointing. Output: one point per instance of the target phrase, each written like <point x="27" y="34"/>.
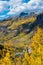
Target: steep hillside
<point x="21" y="41"/>
<point x="15" y="28"/>
<point x="20" y="30"/>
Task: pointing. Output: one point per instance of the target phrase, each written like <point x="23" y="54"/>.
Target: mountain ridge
<point x="15" y="27"/>
<point x="21" y="15"/>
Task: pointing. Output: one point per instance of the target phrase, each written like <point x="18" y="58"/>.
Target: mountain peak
<point x="22" y="14"/>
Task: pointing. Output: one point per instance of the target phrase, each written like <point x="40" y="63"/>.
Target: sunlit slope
<point x="20" y="30"/>
<point x="21" y="41"/>
<point x="20" y="54"/>
<point x="21" y="21"/>
<point x="11" y="28"/>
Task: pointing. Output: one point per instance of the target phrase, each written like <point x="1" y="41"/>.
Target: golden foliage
<point x="35" y="58"/>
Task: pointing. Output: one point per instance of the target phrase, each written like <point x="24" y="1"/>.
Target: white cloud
<point x="3" y="6"/>
<point x="17" y="6"/>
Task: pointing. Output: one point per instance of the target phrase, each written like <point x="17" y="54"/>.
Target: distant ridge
<point x="21" y="15"/>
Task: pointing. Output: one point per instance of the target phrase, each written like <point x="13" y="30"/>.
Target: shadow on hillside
<point x="30" y="27"/>
<point x="38" y="22"/>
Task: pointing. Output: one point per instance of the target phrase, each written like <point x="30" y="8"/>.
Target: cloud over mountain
<point x="15" y="7"/>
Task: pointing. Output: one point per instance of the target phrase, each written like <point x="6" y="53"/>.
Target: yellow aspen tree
<point x="7" y="60"/>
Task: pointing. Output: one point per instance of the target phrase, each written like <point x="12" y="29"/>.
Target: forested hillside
<point x="21" y="41"/>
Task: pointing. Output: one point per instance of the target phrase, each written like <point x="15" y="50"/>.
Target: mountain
<point x="11" y="28"/>
<point x="21" y="39"/>
<point x="23" y="14"/>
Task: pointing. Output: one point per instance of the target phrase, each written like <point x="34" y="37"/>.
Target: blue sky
<point x="15" y="7"/>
